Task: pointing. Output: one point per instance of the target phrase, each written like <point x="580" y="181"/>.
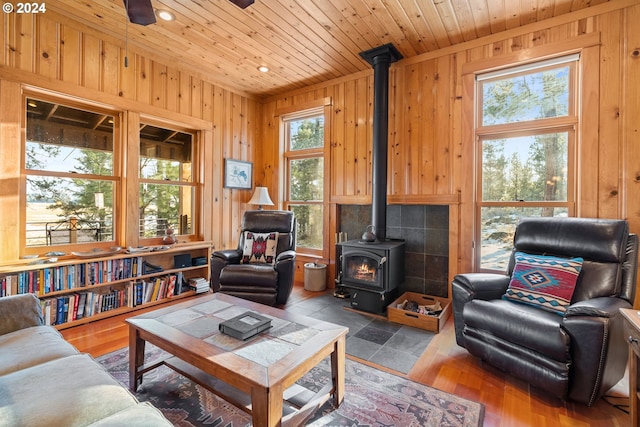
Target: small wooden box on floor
<point x="417" y="320"/>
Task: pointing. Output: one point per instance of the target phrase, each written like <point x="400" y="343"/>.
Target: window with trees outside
<point x="526" y="139"/>
<point x="304" y="162"/>
<point x="73" y="176"/>
<point x="71" y="181"/>
<point x="167" y="188"/>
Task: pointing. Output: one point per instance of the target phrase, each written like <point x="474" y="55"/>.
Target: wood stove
<point x="372" y="272"/>
<point x="372" y="266"/>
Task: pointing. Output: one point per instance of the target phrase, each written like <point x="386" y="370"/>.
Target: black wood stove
<point x="372" y="272"/>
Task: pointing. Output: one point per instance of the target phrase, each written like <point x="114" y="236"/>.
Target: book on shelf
<point x="81" y="305"/>
<point x="179" y="283"/>
<point x="59" y="311"/>
<point x="171" y="286"/>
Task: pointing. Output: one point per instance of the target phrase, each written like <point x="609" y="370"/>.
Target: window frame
<point x="193" y="183"/>
<point x="115" y="178"/>
<point x="289" y="155"/>
<point x="569" y="124"/>
<point x="125" y="177"/>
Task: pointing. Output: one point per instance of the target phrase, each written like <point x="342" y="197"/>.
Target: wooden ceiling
<point x="303" y="42"/>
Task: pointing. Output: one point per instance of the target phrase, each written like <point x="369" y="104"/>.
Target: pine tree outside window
<point x="525" y="136"/>
<point x="304" y="162"/>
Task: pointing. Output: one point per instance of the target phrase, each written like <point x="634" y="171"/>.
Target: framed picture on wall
<point x="238" y="174"/>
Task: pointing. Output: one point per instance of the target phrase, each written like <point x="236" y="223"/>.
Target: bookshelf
<point x="74" y="290"/>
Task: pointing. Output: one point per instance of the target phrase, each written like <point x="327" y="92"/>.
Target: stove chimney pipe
<point x="380" y="58"/>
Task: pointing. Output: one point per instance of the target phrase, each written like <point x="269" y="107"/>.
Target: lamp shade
<point x="261" y="197"/>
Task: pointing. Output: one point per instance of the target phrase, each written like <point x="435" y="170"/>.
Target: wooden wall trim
<point x="423" y="199"/>
<point x="10" y="131"/>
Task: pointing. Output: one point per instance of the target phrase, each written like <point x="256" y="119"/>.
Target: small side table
<point x="632" y="335"/>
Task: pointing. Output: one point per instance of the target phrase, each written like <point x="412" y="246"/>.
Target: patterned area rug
<point x="372" y="398"/>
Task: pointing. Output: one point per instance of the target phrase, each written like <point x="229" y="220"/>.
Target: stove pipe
<point x="380" y="59"/>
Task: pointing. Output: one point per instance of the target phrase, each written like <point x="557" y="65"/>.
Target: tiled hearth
<point x="425" y="230"/>
<point x="371" y="338"/>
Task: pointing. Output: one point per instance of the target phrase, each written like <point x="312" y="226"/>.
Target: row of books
<point x="68" y="277"/>
<point x="158" y="288"/>
<point x="76" y="306"/>
<point x="44" y="281"/>
<point x="69" y="308"/>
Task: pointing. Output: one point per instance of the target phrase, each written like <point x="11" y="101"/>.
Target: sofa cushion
<point x="543" y="281"/>
<point x="32" y="346"/>
<point x="259" y="247"/>
<point x="141" y="415"/>
<point x="71" y="391"/>
<point x="18" y="312"/>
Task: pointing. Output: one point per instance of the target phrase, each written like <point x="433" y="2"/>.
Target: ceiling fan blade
<point x="140" y="11"/>
<point x="243" y="4"/>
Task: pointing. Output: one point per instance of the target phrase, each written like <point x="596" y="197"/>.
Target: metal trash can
<point x="315" y="276"/>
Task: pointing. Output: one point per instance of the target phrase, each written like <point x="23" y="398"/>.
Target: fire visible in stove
<point x="365" y="272"/>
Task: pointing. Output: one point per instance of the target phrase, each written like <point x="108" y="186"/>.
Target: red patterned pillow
<point x="259" y="247"/>
<point x="544" y="281"/>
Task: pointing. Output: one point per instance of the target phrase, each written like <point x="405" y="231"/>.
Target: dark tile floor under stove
<point x="370" y="337"/>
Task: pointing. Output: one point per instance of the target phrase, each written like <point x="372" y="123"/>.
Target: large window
<point x="304" y="160"/>
<point x="167" y="188"/>
<point x="526" y="139"/>
<point x="73" y="178"/>
<point x="71" y="181"/>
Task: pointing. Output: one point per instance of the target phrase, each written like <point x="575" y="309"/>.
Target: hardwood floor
<point x="508" y="401"/>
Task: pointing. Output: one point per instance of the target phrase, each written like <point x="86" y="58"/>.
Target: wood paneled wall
<point x="49" y="52"/>
<point x="432" y="158"/>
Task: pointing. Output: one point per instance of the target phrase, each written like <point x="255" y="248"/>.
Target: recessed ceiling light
<point x="32" y="104"/>
<point x="165" y="15"/>
<point x="263" y="69"/>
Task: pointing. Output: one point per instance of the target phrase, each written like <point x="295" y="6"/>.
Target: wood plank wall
<point x="431" y="158"/>
<point x="52" y="53"/>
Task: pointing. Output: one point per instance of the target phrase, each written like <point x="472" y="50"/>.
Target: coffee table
<point x="258" y="374"/>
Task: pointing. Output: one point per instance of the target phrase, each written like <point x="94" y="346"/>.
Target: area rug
<point x="372" y="398"/>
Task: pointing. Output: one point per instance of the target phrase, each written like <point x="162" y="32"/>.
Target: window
<point x="71" y="181"/>
<point x="526" y="138"/>
<point x="304" y="162"/>
<point x="72" y="176"/>
<point x="167" y="188"/>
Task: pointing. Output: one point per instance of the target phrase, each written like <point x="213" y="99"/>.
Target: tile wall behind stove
<point x="425" y="230"/>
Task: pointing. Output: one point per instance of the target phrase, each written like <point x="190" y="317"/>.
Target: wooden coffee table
<point x="259" y="374"/>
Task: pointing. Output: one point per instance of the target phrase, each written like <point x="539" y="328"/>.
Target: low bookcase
<point x="75" y="290"/>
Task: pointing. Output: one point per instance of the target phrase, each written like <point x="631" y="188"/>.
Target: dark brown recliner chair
<point x="262" y="268"/>
<point x="578" y="355"/>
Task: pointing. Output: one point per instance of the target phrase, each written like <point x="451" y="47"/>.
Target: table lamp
<point x="261" y="197"/>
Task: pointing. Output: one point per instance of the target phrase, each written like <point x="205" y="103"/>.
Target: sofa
<point x="553" y="319"/>
<point x="44" y="380"/>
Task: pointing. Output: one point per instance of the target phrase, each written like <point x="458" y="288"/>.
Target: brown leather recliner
<point x="266" y="278"/>
<point x="578" y="355"/>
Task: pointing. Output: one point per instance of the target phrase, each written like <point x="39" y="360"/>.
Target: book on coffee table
<point x="245" y="325"/>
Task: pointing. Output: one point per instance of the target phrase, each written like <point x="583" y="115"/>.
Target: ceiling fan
<point x="141" y="11"/>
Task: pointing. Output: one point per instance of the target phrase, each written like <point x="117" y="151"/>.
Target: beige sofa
<point x="44" y="380"/>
